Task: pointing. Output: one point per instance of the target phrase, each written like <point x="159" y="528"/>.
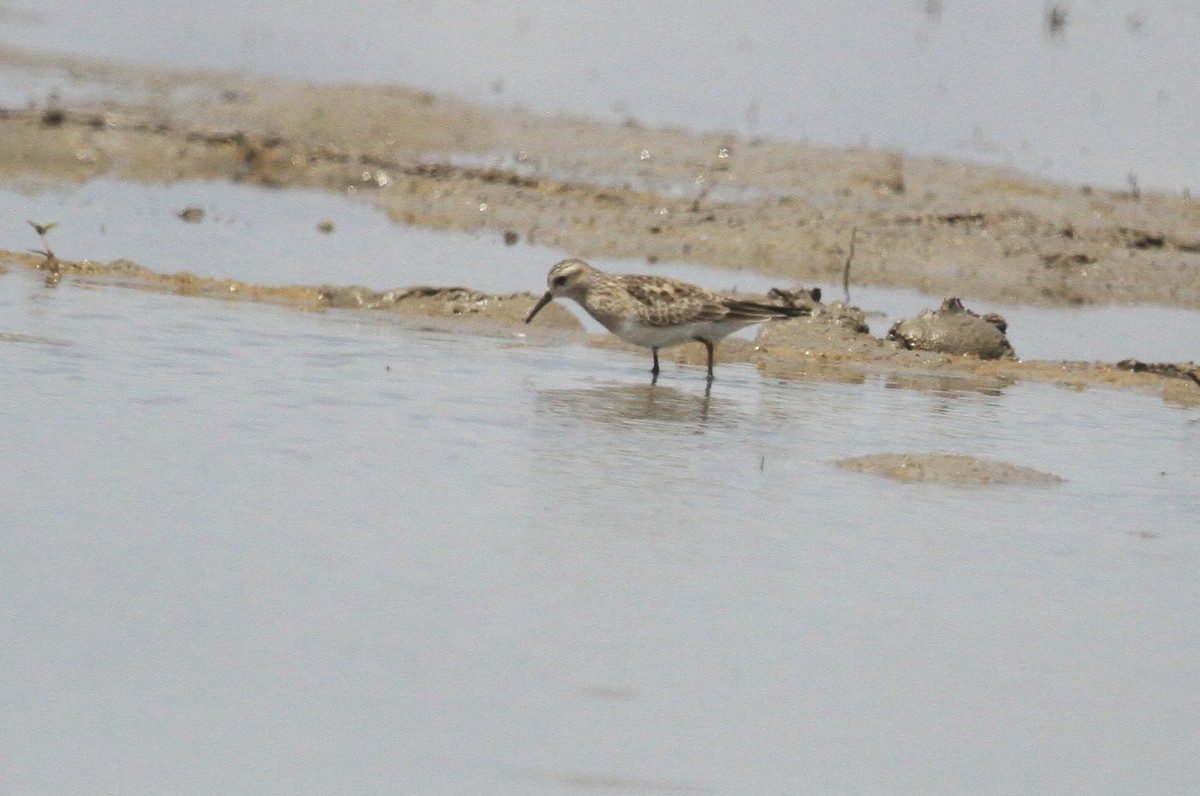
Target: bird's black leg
<point x="654" y="370"/>
<point x="708" y="345"/>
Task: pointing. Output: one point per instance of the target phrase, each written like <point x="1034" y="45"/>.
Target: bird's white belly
<point x="665" y="336"/>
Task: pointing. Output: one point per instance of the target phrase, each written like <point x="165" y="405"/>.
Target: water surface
<point x="249" y="549"/>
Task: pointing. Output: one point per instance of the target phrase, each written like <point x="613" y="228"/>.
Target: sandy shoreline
<point x="598" y="189"/>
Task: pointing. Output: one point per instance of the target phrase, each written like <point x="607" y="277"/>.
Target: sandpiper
<point x="655" y="312"/>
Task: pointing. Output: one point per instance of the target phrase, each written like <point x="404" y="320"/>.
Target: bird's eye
<point x="559" y="281"/>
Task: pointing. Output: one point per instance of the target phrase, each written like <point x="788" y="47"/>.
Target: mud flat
<point x="598" y="189"/>
<point x="957" y="470"/>
<point x="817" y="347"/>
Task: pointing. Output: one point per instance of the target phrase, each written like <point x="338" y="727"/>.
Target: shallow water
<point x="268" y="236"/>
<point x="263" y="236"/>
<point x="1113" y="94"/>
<point x="251" y="549"/>
<point x="247" y="549"/>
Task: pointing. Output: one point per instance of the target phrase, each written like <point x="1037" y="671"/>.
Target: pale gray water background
<point x="247" y="549"/>
<point x="1114" y="94"/>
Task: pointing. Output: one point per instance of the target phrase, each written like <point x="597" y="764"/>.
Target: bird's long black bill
<point x="543" y="301"/>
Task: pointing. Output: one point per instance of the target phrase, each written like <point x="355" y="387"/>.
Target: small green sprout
<point x="43" y="230"/>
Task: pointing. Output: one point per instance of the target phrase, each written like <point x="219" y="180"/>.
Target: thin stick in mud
<point x="846" y="268"/>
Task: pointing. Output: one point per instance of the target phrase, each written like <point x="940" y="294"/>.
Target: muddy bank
<point x="945" y="468"/>
<point x="832" y="344"/>
<point x="592" y="188"/>
<point x="599" y="189"/>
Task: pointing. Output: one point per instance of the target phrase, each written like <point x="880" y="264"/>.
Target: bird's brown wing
<point x="666" y="302"/>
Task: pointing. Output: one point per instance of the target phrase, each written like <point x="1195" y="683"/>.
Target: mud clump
<point x="953" y="329"/>
<point x="946" y="468"/>
<point x="1171" y="370"/>
<point x="832" y="330"/>
<point x="800" y="296"/>
<point x="838" y="313"/>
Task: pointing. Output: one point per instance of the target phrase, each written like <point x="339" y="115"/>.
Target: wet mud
<point x="945" y="468"/>
<point x="797" y="212"/>
<point x="832" y="344"/>
<point x="954" y="329"/>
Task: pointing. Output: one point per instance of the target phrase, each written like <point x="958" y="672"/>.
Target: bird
<point x="653" y="311"/>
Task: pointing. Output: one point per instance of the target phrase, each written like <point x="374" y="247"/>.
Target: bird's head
<point x="568" y="279"/>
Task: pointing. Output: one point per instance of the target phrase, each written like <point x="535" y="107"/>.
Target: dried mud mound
<point x="953" y="329"/>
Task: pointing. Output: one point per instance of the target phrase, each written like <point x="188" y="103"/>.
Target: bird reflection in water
<point x="619" y="405"/>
